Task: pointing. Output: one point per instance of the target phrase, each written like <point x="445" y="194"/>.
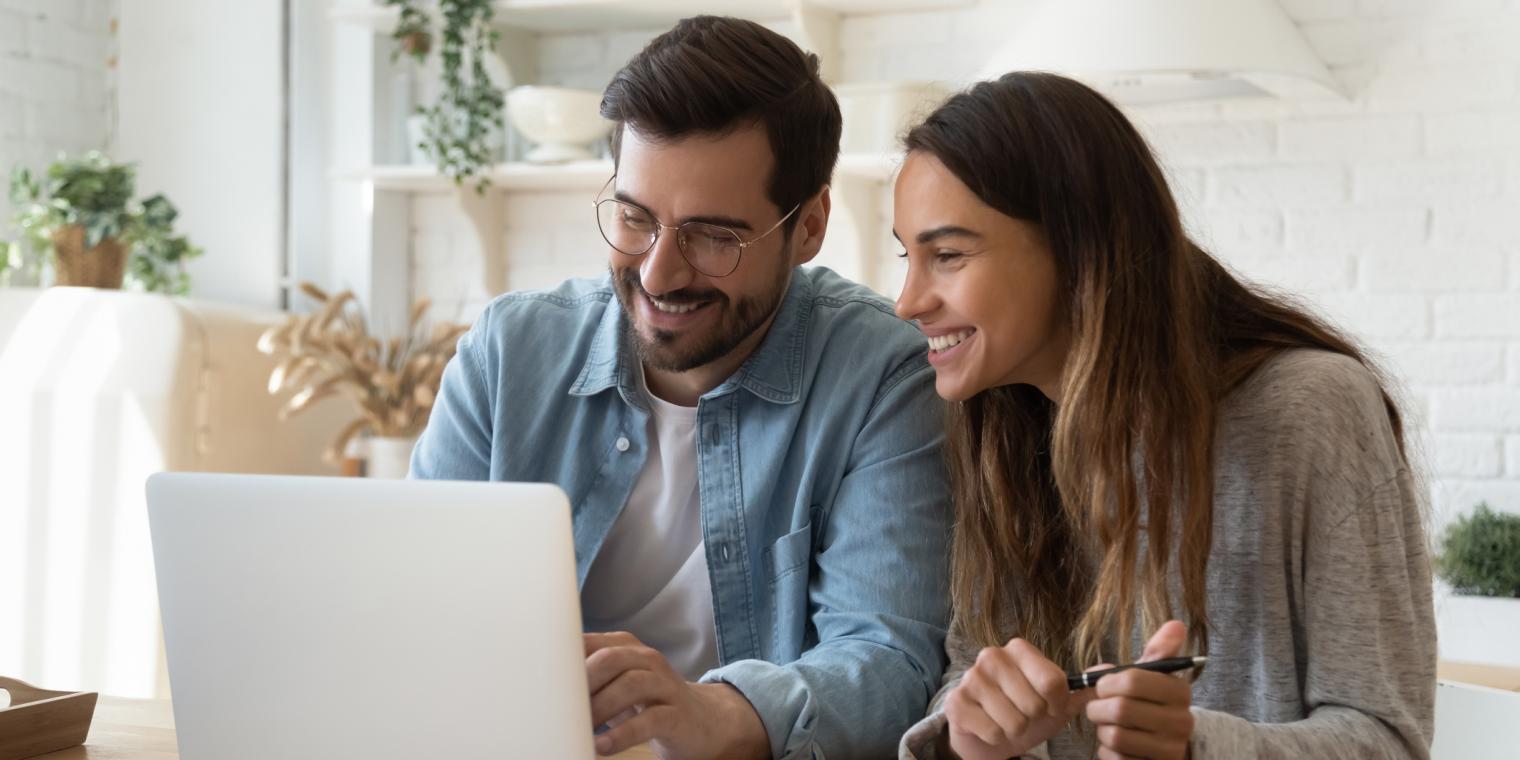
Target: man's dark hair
<point x="714" y="74"/>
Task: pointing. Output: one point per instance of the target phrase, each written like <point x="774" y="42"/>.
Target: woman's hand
<point x="1140" y="714"/>
<point x="1008" y="702"/>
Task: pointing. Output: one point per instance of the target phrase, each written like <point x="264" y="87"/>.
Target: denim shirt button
<point x="622" y="443"/>
<point x="723" y="550"/>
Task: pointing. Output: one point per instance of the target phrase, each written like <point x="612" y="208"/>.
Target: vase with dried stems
<point x="392" y="381"/>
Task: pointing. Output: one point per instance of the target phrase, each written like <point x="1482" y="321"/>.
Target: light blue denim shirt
<point x="824" y="499"/>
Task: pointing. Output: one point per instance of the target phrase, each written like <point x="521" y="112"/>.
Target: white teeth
<point x="943" y="342"/>
<point x="673" y="308"/>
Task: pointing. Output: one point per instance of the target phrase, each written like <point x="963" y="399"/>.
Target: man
<point x="752" y="449"/>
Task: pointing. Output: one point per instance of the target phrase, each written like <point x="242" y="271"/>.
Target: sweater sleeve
<point x="1369" y="675"/>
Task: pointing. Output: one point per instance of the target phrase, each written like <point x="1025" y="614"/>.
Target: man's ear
<point x="812" y="225"/>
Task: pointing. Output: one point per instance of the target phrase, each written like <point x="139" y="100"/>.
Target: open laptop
<point x="352" y="618"/>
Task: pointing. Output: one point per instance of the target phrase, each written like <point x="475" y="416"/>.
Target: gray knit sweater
<point x="1323" y="637"/>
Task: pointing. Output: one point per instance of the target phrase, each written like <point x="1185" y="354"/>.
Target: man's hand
<point x="635" y="690"/>
<point x="1140" y="714"/>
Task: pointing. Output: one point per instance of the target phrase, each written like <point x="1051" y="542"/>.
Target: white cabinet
<point x="371" y="194"/>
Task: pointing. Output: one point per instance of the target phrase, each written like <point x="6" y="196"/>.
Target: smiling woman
<point x="1147" y="455"/>
<point x="982" y="285"/>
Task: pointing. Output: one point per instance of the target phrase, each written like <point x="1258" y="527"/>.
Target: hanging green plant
<point x="465" y="125"/>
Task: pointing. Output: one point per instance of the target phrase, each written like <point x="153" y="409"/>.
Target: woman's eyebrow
<point x="949" y="230"/>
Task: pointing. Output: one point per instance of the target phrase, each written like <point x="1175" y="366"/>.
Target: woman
<point x="1138" y="436"/>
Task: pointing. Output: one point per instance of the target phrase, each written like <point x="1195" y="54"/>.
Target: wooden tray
<point x="41" y="721"/>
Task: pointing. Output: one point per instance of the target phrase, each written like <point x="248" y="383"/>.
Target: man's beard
<point x="736" y="322"/>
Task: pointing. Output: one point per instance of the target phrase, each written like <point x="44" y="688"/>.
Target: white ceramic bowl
<point x="561" y="122"/>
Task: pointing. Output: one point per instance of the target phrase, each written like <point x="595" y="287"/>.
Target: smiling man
<point x="751" y="448"/>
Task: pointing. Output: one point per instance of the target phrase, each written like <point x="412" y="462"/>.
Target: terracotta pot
<point x="103" y="266"/>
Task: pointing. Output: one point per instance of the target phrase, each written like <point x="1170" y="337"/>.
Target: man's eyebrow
<point x="949" y="230"/>
<point x="720" y="221"/>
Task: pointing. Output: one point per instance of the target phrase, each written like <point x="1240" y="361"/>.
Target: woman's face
<point x="981" y="284"/>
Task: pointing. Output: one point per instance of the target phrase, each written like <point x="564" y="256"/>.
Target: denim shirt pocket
<point x="786" y="562"/>
<point x="789" y="553"/>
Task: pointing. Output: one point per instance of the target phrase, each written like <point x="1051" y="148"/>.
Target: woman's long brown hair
<point x="1073" y="515"/>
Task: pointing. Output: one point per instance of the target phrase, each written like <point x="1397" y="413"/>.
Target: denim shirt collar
<point x="773" y="373"/>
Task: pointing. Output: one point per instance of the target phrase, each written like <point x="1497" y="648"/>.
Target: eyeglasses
<point x="708" y="248"/>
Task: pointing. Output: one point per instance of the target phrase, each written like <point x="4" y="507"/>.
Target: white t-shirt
<point x="650" y="577"/>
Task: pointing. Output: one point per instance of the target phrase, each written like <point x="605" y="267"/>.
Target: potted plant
<point x="463" y="129"/>
<point x="393" y="382"/>
<point x="83" y="213"/>
<point x="1480" y="560"/>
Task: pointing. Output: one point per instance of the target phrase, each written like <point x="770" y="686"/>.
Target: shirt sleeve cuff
<point x="781" y="699"/>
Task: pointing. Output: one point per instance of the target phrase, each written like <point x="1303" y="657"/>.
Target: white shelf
<point x="576" y="175"/>
<point x="510" y="176"/>
<point x="592" y="15"/>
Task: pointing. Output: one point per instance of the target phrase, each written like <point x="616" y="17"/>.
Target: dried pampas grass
<point x="330" y="352"/>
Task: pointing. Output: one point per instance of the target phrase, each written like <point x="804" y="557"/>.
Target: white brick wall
<point x="1392" y="212"/>
<point x="54" y="83"/>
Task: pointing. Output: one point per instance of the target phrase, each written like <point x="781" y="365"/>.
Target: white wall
<point x="55" y="84"/>
<point x="1393" y="211"/>
<point x="201" y="107"/>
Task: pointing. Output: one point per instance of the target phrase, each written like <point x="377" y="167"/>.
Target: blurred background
<point x="1364" y="154"/>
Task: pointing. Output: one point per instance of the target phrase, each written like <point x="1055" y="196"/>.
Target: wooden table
<point x="140" y="729"/>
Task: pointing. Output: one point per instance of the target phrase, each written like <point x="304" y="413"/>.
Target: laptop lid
<point x="343" y="617"/>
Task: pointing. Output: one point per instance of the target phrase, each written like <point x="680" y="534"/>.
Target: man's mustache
<point x="631" y="281"/>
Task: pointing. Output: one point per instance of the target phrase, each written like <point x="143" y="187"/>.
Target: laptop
<point x="351" y="618"/>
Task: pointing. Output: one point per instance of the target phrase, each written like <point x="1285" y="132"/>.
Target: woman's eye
<point x="946" y="257"/>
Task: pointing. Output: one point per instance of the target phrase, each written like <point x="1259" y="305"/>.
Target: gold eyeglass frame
<point x="660" y="227"/>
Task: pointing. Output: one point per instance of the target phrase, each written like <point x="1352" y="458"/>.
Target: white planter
<point x="1478" y="629"/>
<point x="389" y="458"/>
<point x="562" y="123"/>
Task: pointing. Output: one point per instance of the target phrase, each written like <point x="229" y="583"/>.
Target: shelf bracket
<point x="487" y="214"/>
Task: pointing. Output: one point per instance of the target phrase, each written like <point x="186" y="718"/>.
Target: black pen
<point x="1076" y="681"/>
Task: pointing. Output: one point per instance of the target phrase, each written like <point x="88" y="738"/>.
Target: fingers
<point x="606" y="664"/>
<point x="1011" y="694"/>
<point x="967" y="713"/>
<point x="1044" y="680"/>
<point x="596" y="641"/>
<point x="622" y="674"/>
<point x="1167" y="641"/>
<point x="1128" y="713"/>
<point x="1009" y="680"/>
<point x="1128" y="742"/>
<point x="1142" y="714"/>
<point x="1105" y="753"/>
<point x="1159" y="688"/>
<point x="640" y="729"/>
<point x="634" y="688"/>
